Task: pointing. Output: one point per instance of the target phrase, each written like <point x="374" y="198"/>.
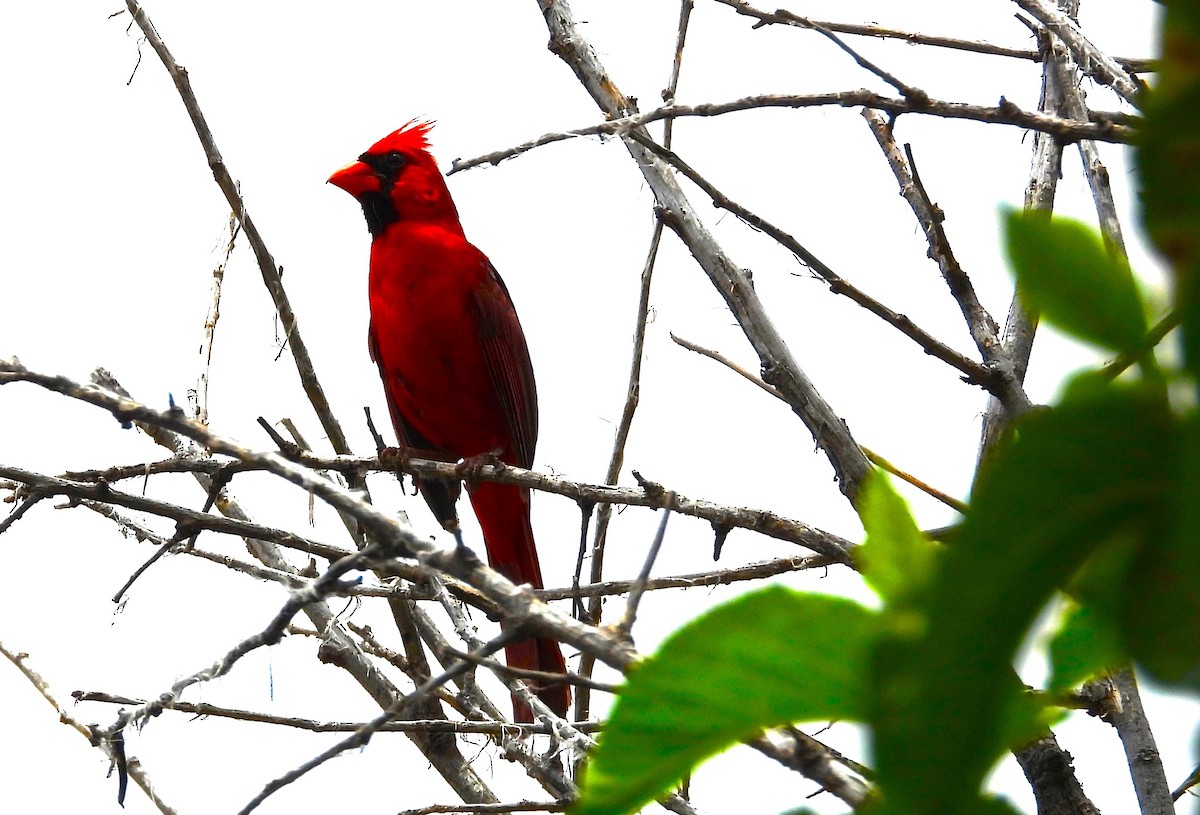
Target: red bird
<point x="453" y="359"/>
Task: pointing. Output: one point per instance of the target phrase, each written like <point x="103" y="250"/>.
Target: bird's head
<point x="398" y="180"/>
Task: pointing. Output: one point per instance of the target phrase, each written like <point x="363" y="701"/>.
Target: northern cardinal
<point x="453" y="360"/>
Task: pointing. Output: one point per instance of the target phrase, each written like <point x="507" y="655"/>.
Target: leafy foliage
<point x="1065" y="272"/>
<point x="770" y="657"/>
<point x="947" y="698"/>
<point x="1097" y="497"/>
<point x="1169" y="166"/>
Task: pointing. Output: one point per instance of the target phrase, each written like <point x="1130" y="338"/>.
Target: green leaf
<point x="897" y="559"/>
<point x="1086" y="644"/>
<point x="1073" y="475"/>
<point x="995" y="805"/>
<point x="1065" y="272"/>
<point x="1163" y="580"/>
<point x="770" y="657"/>
<point x="1168" y="161"/>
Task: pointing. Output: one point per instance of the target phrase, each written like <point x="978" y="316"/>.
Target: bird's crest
<point x="411" y="136"/>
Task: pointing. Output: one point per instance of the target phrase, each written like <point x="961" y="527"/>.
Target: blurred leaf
<point x="1084" y="385"/>
<point x="996" y="805"/>
<point x="897" y="559"/>
<point x="1163" y="580"/>
<point x="1085" y="645"/>
<point x="1168" y="160"/>
<point x="770" y="657"/>
<point x="1065" y="272"/>
<point x="1072" y="475"/>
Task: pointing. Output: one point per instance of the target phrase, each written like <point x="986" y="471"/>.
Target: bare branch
<point x="625" y="624"/>
<point x="1092" y="60"/>
<point x="363" y="735"/>
<point x="393" y="536"/>
<point x="131" y="764"/>
<point x="975" y="373"/>
<point x="766" y="523"/>
<point x="20" y="509"/>
<point x="266" y="262"/>
<point x="313" y="726"/>
<point x="487" y="809"/>
<point x="983" y="328"/>
<point x="1063" y="130"/>
<point x="876" y="459"/>
<point x="1141" y="751"/>
<point x="798" y="751"/>
<point x="632" y="396"/>
<point x="210" y="323"/>
<point x="720" y="577"/>
<point x="1058" y="76"/>
<point x="784" y="17"/>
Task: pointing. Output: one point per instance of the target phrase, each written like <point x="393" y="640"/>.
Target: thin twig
<point x="313" y="726"/>
<point x="1066" y="131"/>
<point x="625" y="625"/>
<point x="875" y="458"/>
<point x="761" y="521"/>
<point x="908" y="478"/>
<point x="132" y="766"/>
<point x="1020" y="327"/>
<point x="526" y="675"/>
<point x="363" y="735"/>
<point x="266" y="262"/>
<point x="983" y="328"/>
<point x="487" y="809"/>
<point x="393" y="536"/>
<point x="784" y="17"/>
<point x="210" y="322"/>
<point x="1153" y="337"/>
<point x="338" y="647"/>
<point x="716" y="577"/>
<point x="633" y="392"/>
<point x="27" y="503"/>
<point x="974" y="372"/>
<point x="182" y="515"/>
<point x="719" y="577"/>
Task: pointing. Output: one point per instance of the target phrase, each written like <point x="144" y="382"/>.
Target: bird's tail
<point x="503" y="513"/>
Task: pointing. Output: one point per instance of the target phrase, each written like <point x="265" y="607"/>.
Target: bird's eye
<point x="394" y="160"/>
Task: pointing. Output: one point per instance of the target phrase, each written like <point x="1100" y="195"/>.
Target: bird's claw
<point x="469" y="468"/>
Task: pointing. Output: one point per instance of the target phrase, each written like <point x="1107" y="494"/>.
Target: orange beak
<point x="356" y="178"/>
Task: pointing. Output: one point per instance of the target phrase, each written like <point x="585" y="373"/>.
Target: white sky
<point x="113" y="226"/>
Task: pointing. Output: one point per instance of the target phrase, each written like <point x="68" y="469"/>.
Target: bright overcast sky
<point x="113" y="228"/>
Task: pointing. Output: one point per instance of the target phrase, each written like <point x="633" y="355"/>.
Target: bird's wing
<point x="507" y="358"/>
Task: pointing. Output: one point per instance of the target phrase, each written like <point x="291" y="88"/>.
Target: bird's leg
<point x="469" y="468"/>
<point x="400" y="455"/>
